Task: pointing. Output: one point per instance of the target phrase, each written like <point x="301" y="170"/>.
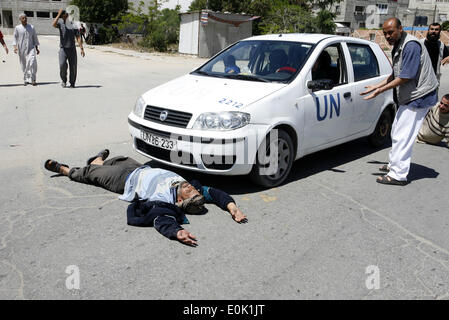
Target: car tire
<point x="382" y="133"/>
<point x="259" y="174"/>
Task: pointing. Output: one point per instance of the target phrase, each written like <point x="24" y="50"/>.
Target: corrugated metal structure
<point x="205" y="33"/>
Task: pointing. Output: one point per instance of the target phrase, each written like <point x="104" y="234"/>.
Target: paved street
<point x="312" y="238"/>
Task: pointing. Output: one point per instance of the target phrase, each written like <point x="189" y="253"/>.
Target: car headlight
<point x="139" y="107"/>
<point x="222" y="121"/>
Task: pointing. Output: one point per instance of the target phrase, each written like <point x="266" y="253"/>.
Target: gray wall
<point x="42" y="25"/>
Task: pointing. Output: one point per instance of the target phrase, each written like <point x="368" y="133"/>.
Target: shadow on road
<point x="21" y="84"/>
<point x="309" y="165"/>
<point x="88" y="86"/>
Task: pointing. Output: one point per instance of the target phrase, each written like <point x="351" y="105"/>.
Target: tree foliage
<point x="159" y="28"/>
<point x="278" y="15"/>
<point x="101" y="11"/>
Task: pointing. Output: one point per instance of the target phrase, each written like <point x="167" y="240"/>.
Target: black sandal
<point x="389" y="180"/>
<point x="385" y="168"/>
<point x="103" y="154"/>
<point x="54" y="166"/>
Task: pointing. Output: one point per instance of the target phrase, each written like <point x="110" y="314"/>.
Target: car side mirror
<point x="323" y="84"/>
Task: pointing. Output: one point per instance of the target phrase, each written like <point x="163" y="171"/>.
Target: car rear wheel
<point x="381" y="134"/>
<point x="271" y="169"/>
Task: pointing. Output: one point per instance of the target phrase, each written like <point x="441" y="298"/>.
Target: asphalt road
<point x="325" y="234"/>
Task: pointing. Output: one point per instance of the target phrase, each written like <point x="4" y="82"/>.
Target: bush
<point x="445" y="26"/>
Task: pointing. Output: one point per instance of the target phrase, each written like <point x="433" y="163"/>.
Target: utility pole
<point x="435" y="14"/>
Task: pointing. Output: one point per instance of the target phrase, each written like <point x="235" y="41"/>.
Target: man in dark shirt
<point x="67" y="34"/>
<point x="438" y="52"/>
<point x="3" y="42"/>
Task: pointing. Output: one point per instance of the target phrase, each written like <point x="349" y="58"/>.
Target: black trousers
<point x="110" y="176"/>
<point x="70" y="55"/>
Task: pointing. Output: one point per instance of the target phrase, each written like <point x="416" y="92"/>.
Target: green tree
<point x="101" y="11"/>
<point x="214" y="5"/>
<point x="445" y="25"/>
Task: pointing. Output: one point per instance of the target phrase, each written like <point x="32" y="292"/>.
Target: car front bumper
<point x="215" y="152"/>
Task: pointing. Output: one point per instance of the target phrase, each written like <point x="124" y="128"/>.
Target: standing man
<point x="67" y="52"/>
<point x="3" y="42"/>
<point x="26" y="45"/>
<point x="438" y="52"/>
<point x="83" y="32"/>
<point x="414" y="86"/>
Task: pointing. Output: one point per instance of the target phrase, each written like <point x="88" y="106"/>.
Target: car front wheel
<point x="274" y="160"/>
<point x="382" y="132"/>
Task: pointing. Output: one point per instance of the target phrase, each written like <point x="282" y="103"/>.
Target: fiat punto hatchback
<point x="264" y="102"/>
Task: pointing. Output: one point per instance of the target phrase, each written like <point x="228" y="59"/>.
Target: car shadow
<point x="309" y="165"/>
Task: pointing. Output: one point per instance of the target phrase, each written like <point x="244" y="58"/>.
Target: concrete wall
<point x="42" y="25"/>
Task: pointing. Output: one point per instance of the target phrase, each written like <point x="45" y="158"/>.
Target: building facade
<point x="360" y="14"/>
<point x="40" y="14"/>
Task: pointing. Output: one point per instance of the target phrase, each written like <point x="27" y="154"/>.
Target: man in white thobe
<point x="26" y="45"/>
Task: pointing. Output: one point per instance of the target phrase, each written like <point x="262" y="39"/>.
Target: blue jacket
<point x="166" y="217"/>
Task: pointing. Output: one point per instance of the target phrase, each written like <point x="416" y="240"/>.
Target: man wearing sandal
<point x="158" y="197"/>
<point x="415" y="90"/>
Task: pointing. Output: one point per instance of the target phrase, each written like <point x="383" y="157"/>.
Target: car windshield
<point x="267" y="61"/>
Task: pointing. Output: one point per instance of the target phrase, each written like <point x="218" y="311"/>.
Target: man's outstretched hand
<point x="187" y="238"/>
<point x="236" y="214"/>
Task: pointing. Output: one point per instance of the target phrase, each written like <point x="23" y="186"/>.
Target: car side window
<point x="331" y="65"/>
<point x="364" y="62"/>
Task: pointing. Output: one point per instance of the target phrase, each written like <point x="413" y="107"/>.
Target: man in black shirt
<point x="438" y="52"/>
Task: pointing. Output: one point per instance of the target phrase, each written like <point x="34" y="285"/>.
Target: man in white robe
<point x="26" y="45"/>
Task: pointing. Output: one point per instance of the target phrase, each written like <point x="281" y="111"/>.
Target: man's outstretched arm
<point x="225" y="202"/>
<point x="170" y="228"/>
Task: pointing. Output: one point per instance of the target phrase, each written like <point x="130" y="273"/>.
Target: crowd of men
<point x="160" y="198"/>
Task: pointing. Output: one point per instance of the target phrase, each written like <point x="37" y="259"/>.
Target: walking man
<point x="438" y="52"/>
<point x="3" y="43"/>
<point x="67" y="52"/>
<point x="26" y="44"/>
<point x="414" y="84"/>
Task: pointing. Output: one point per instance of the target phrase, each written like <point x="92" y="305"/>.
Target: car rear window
<point x="364" y="62"/>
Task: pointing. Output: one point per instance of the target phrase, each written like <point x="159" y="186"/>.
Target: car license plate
<point x="157" y="141"/>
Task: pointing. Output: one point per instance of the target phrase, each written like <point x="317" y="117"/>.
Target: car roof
<point x="306" y="37"/>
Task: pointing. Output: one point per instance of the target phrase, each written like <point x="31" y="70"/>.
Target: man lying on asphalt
<point x="158" y="197"/>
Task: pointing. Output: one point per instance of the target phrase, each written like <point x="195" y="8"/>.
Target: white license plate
<point x="157" y="141"/>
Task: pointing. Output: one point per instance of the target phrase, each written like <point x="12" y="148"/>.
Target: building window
<point x="359" y="9"/>
<point x="43" y="14"/>
<point x="54" y="14"/>
<point x="29" y="14"/>
<point x="383" y="8"/>
<point x="337" y="10"/>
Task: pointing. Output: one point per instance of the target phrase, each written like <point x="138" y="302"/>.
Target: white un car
<point x="264" y="102"/>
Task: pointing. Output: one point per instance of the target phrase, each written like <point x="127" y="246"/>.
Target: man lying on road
<point x="158" y="197"/>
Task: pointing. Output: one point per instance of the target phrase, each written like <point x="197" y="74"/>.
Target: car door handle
<point x="347" y="95"/>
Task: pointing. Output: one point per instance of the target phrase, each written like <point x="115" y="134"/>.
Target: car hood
<point x="197" y="94"/>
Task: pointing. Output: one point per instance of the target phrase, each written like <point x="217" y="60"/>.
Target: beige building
<point x="40" y="14"/>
